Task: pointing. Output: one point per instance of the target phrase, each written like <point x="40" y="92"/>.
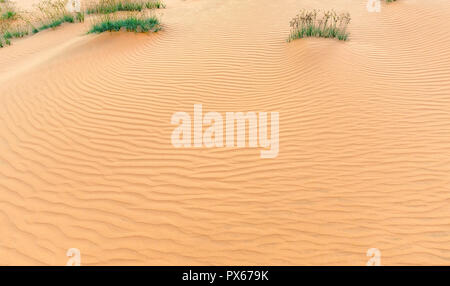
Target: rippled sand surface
<point x="86" y="159"/>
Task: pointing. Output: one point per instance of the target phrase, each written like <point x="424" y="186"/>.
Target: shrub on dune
<point x="56" y="22"/>
<point x="79" y="17"/>
<point x="48" y="14"/>
<point x="15" y="34"/>
<point x="130" y="23"/>
<point x="325" y="24"/>
<point x="7" y="11"/>
<point x="112" y="6"/>
<point x="53" y="13"/>
<point x="8" y="16"/>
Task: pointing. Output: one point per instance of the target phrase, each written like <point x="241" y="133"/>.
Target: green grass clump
<point x="9" y="15"/>
<point x="112" y="6"/>
<point x="154" y="5"/>
<point x="79" y="17"/>
<point x="57" y="22"/>
<point x="17" y="32"/>
<point x="53" y="13"/>
<point x="326" y="24"/>
<point x="4" y="42"/>
<point x="8" y="12"/>
<point x="49" y="14"/>
<point x="14" y="34"/>
<point x="130" y="24"/>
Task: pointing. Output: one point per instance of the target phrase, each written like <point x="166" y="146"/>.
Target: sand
<point x="364" y="162"/>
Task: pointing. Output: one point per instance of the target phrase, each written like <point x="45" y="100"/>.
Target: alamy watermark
<point x="213" y="136"/>
<point x="373" y="6"/>
<point x="73" y="6"/>
<point x="75" y="257"/>
<point x="375" y="257"/>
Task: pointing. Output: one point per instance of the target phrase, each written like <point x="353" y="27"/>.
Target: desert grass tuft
<point x="57" y="22"/>
<point x="79" y="17"/>
<point x="53" y="13"/>
<point x="9" y="16"/>
<point x="48" y="14"/>
<point x="112" y="6"/>
<point x="15" y="34"/>
<point x="130" y="23"/>
<point x="8" y="11"/>
<point x="324" y="24"/>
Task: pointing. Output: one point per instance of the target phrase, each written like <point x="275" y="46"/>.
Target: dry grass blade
<point x="316" y="23"/>
<point x="112" y="6"/>
<point x="139" y="22"/>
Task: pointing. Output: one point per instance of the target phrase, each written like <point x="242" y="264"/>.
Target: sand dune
<point x="364" y="158"/>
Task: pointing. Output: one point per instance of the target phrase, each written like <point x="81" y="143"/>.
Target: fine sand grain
<point x="86" y="159"/>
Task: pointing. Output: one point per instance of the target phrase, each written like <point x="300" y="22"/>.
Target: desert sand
<point x="364" y="161"/>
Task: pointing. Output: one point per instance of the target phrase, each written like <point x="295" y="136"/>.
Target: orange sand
<point x="86" y="159"/>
